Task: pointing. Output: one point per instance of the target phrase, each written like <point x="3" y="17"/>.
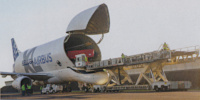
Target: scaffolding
<point x="152" y="64"/>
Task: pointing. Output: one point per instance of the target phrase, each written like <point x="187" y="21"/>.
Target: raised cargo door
<point x="92" y="21"/>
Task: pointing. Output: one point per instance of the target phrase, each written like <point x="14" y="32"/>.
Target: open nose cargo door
<point x="92" y="21"/>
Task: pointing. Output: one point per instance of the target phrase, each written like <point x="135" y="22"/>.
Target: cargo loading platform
<point x="151" y="62"/>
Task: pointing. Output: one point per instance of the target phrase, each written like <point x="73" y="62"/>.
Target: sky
<point x="136" y="26"/>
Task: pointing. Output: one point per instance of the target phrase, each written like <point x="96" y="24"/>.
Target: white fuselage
<point x="45" y="58"/>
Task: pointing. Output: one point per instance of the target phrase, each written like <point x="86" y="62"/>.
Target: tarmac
<point x="137" y="95"/>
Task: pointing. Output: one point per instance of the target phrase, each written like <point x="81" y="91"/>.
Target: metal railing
<point x="191" y="52"/>
<point x="188" y="49"/>
<point x="130" y="60"/>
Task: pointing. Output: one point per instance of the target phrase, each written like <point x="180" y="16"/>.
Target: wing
<point x="35" y="76"/>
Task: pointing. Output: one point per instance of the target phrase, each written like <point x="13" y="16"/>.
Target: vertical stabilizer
<point x="15" y="49"/>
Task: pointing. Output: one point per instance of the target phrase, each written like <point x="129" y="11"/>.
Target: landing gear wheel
<point x="157" y="89"/>
<point x="86" y="89"/>
<point x="53" y="91"/>
<point x="70" y="89"/>
<point x="164" y="88"/>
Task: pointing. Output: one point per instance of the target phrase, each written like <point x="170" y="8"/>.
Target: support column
<point x="147" y="79"/>
<point x="141" y="74"/>
<point x="161" y="76"/>
<point x="119" y="76"/>
<point x="113" y="76"/>
<point x="127" y="77"/>
<point x="139" y="79"/>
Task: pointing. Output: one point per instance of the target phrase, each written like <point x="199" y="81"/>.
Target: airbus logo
<point x="42" y="59"/>
<point x="28" y="61"/>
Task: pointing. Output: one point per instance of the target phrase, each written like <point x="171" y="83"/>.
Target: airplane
<point x="54" y="63"/>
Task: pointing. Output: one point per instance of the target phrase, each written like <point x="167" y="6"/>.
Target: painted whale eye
<point x="59" y="63"/>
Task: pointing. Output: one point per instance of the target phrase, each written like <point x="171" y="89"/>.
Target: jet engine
<point x="19" y="81"/>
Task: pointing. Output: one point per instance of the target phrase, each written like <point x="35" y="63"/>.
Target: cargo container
<point x="88" y="52"/>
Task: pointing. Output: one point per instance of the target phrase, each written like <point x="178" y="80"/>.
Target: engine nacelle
<point x="19" y="81"/>
<point x="38" y="83"/>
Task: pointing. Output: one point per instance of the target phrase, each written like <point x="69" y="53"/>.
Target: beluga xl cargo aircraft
<point x="55" y="61"/>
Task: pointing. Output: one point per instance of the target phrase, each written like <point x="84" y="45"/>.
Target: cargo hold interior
<point x="78" y="42"/>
